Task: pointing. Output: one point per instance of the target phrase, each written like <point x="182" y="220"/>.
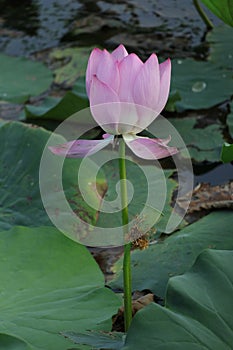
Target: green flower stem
<point x="202" y="14"/>
<point x="127" y="247"/>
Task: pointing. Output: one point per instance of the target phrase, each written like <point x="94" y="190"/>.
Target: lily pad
<point x="50" y="284"/>
<point x="223" y="9"/>
<point x="21" y="78"/>
<point x="221" y="46"/>
<point x="200" y="84"/>
<point x="203" y="144"/>
<point x="153" y="267"/>
<point x="20" y="199"/>
<point x="56" y="109"/>
<point x="68" y="73"/>
<point x="197" y="313"/>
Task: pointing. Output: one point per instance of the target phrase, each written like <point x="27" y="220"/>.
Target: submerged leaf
<point x="68" y="73"/>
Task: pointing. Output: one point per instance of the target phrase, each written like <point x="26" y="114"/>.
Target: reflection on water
<point x="34" y="25"/>
<point x="29" y="26"/>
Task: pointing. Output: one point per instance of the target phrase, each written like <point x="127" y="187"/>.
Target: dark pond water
<point x="167" y="27"/>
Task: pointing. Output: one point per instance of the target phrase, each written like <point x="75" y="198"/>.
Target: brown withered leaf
<point x="137" y="304"/>
<point x="207" y="197"/>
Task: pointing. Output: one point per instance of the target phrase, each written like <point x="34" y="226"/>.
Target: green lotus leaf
<point x="21" y="78"/>
<point x="222" y="9"/>
<point x="200" y="84"/>
<point x="50" y="284"/>
<point x="56" y="109"/>
<point x="7" y="342"/>
<point x="202" y="143"/>
<point x="153" y="267"/>
<point x="221" y="46"/>
<point x="197" y="314"/>
<point x="20" y="199"/>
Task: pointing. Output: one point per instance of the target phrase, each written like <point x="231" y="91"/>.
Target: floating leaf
<point x="68" y="73"/>
<point x="20" y="199"/>
<point x="21" y="78"/>
<point x="203" y="144"/>
<point x="175" y="255"/>
<point x="200" y="84"/>
<point x="221" y="46"/>
<point x="50" y="284"/>
<point x="57" y="109"/>
<point x="197" y="313"/>
<point x="227" y="153"/>
<point x="222" y="9"/>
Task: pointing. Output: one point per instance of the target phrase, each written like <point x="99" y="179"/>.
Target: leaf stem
<point x="202" y="14"/>
<point x="127" y="247"/>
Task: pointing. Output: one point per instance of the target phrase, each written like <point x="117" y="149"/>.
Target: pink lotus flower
<point x="125" y="95"/>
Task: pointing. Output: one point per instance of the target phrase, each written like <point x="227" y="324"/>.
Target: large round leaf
<point x="198" y="312"/>
<point x="200" y="84"/>
<point x="50" y="284"/>
<point x="202" y="143"/>
<point x="21" y="78"/>
<point x="56" y="109"/>
<point x="175" y="255"/>
<point x="221" y="46"/>
<point x="20" y="200"/>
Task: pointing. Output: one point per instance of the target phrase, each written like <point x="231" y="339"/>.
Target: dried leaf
<point x="207" y="197"/>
